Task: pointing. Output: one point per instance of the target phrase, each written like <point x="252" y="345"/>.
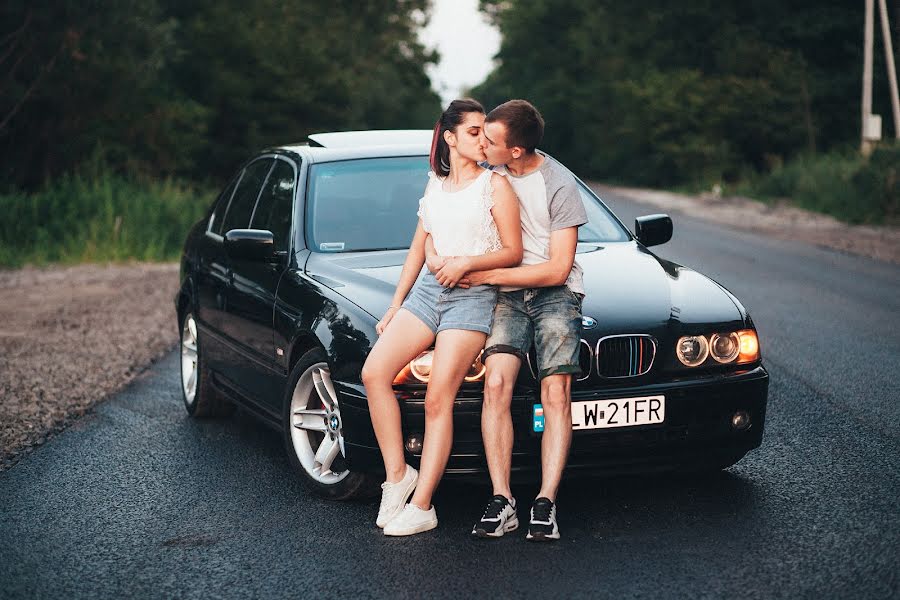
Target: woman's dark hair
<point x="450" y="119"/>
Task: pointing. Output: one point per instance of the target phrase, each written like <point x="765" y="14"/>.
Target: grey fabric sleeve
<point x="566" y="207"/>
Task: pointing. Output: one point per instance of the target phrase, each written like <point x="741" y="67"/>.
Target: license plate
<point x="607" y="414"/>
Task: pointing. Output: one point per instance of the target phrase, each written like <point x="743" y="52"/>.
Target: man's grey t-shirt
<point x="549" y="200"/>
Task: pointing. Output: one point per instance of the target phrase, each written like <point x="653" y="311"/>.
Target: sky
<point x="466" y="42"/>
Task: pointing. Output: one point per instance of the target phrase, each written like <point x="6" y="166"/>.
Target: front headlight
<point x="419" y="370"/>
<point x="692" y="350"/>
<point x="737" y="347"/>
<point x="420" y="367"/>
<point x="724" y="347"/>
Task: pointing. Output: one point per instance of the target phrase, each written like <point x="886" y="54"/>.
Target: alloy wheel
<point x="189" y="359"/>
<point x="316" y="427"/>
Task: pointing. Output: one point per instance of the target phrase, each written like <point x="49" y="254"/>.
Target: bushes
<point x="842" y="184"/>
<point x="101" y="217"/>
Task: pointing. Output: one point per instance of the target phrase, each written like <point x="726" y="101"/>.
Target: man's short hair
<point x="524" y="124"/>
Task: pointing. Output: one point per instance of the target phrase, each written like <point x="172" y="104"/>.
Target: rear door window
<point x="273" y="211"/>
<point x="215" y="221"/>
<point x="241" y="207"/>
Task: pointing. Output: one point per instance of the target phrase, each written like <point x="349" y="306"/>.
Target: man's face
<point x="493" y="141"/>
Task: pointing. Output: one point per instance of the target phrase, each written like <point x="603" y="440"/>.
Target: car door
<point x="230" y="357"/>
<point x="213" y="277"/>
<point x="254" y="284"/>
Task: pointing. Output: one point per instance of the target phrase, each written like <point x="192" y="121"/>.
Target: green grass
<point x="842" y="184"/>
<point x="100" y="217"/>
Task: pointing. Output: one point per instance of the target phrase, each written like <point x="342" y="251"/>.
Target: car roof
<point x="384" y="137"/>
<point x="345" y="145"/>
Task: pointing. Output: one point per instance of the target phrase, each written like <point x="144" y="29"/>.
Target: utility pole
<point x="889" y="59"/>
<point x="871" y="124"/>
<point x="869" y="133"/>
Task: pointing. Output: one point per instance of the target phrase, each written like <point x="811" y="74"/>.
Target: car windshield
<point x="371" y="204"/>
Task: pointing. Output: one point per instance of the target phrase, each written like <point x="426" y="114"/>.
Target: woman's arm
<point x="411" y="267"/>
<point x="506" y="215"/>
<point x="434" y="260"/>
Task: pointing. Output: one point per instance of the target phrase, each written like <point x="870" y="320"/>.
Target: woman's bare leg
<point x="454" y="352"/>
<point x="403" y="339"/>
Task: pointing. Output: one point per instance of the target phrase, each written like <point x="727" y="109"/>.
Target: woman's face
<point x="467" y="137"/>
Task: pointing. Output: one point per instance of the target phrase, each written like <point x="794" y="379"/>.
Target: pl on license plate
<point x="604" y="414"/>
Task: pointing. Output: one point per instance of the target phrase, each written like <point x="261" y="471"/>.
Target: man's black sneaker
<point x="542" y="526"/>
<point x="499" y="517"/>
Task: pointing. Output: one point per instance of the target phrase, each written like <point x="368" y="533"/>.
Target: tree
<point x="696" y="91"/>
<point x="167" y="87"/>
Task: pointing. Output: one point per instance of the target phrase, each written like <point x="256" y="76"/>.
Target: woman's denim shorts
<point x="443" y="308"/>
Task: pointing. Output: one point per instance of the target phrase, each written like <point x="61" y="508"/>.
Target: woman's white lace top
<point x="460" y="222"/>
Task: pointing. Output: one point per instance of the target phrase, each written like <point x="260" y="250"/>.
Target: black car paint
<point x="257" y="317"/>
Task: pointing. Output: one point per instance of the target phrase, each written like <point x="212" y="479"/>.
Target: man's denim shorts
<point x="548" y="317"/>
<point x="451" y="308"/>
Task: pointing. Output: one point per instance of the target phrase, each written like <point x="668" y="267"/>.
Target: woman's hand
<point x="435" y="262"/>
<point x="379" y="328"/>
<point x="453" y="270"/>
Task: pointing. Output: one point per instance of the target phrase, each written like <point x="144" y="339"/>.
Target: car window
<point x="215" y="221"/>
<point x="273" y="211"/>
<point x="244" y="199"/>
<point x="601" y="226"/>
<point x="371" y="204"/>
<point x="367" y="204"/>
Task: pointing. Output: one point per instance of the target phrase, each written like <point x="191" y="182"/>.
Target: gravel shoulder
<point x="70" y="337"/>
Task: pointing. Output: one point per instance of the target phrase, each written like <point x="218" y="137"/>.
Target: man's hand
<point x="452" y="271"/>
<point x="476" y="278"/>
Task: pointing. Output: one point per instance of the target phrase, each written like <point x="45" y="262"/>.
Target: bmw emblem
<point x="334" y="422"/>
<point x="588" y="322"/>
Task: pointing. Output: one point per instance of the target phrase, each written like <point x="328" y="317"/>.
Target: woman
<point x="472" y="216"/>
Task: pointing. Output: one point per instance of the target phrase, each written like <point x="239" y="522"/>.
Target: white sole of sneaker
<point x="509" y="526"/>
<point x="420" y="528"/>
<point x="406" y="495"/>
<point x="543" y="537"/>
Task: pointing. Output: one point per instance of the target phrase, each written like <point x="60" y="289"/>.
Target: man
<point x="540" y="303"/>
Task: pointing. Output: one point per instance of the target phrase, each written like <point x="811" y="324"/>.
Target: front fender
<point x="312" y="314"/>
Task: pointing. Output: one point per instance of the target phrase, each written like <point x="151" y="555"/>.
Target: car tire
<point x="313" y="432"/>
<point x="200" y="398"/>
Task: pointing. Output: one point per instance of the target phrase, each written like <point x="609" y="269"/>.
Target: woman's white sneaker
<point x="411" y="520"/>
<point x="395" y="495"/>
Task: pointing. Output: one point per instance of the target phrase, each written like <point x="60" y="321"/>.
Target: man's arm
<point x="553" y="272"/>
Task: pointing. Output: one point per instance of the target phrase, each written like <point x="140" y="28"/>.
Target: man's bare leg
<point x="496" y="418"/>
<point x="557" y="436"/>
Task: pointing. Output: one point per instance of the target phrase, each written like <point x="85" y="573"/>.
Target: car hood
<point x="628" y="288"/>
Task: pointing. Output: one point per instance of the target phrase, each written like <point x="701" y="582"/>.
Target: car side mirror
<point x="653" y="230"/>
<point x="249" y="244"/>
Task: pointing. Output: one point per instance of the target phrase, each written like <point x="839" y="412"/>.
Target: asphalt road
<point x="138" y="500"/>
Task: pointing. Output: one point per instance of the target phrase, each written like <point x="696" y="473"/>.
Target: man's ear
<point x="516" y="152"/>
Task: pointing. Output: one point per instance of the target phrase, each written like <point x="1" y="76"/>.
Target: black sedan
<point x="284" y="279"/>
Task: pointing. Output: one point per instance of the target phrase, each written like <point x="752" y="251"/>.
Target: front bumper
<point x="697" y="431"/>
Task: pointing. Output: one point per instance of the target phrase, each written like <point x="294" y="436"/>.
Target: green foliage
<point x="841" y="183"/>
<point x="159" y="91"/>
<point x="684" y="93"/>
<point x="99" y="216"/>
<point x="166" y="87"/>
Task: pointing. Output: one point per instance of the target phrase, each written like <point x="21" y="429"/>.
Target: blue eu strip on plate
<point x="538" y="419"/>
